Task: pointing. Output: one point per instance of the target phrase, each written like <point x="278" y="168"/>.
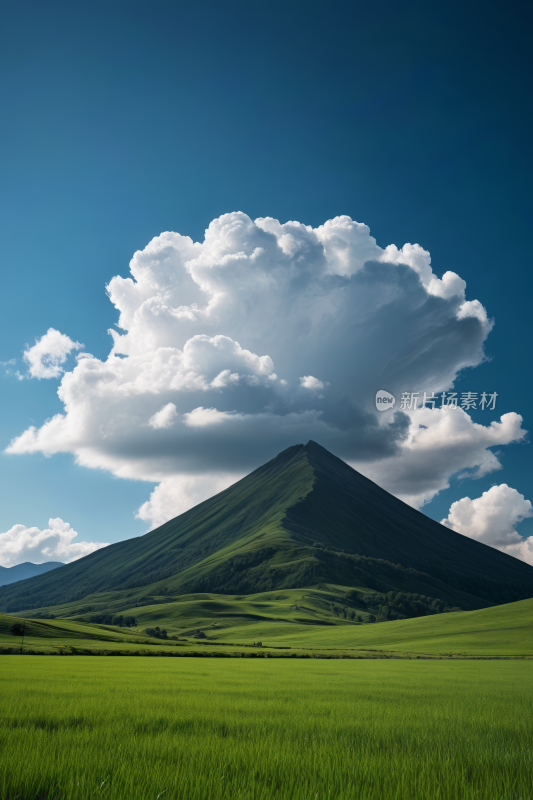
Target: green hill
<point x="303" y="519"/>
<point x="293" y="621"/>
<point x="315" y="618"/>
<point x="500" y="630"/>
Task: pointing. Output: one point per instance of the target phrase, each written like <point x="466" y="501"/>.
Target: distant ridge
<point x="20" y="572"/>
<point x="301" y="519"/>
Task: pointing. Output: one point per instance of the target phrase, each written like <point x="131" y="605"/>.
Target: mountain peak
<point x="303" y="518"/>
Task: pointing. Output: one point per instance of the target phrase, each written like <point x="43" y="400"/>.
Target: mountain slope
<point x="251" y="509"/>
<point x="26" y="570"/>
<point x="351" y="512"/>
<point x="303" y="518"/>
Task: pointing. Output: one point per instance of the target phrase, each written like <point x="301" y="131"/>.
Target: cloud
<point x="441" y="443"/>
<point x="313" y="384"/>
<point x="54" y="543"/>
<point x="202" y="417"/>
<point x="220" y="333"/>
<point x="164" y="418"/>
<point x="492" y="519"/>
<point x="11" y="363"/>
<point x="47" y="355"/>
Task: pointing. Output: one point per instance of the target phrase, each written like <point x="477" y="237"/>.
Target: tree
<point x="17" y="629"/>
<point x="157" y="633"/>
<point x="371" y="618"/>
<point x="101" y="619"/>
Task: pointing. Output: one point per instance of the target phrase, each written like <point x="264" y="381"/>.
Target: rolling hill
<point x="280" y="623"/>
<point x="303" y="519"/>
<point x="499" y="630"/>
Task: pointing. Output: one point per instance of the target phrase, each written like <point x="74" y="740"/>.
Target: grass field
<point x="185" y="729"/>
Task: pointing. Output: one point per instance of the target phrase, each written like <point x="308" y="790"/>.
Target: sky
<point x="225" y="227"/>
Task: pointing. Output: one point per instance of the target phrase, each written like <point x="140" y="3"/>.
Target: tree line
<point x="116" y="619"/>
<point x="398" y="605"/>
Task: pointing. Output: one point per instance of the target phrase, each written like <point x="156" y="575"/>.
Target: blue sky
<point x="125" y="119"/>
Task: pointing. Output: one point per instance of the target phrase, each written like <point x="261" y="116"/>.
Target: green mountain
<point x="303" y="519"/>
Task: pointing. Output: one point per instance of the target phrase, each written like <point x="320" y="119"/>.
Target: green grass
<point x="184" y="729"/>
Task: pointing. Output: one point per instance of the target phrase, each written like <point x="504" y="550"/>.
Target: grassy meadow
<point x="215" y="729"/>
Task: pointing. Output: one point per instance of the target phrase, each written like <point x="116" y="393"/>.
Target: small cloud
<point x="492" y="519"/>
<point x="164" y="418"/>
<point x="54" y="543"/>
<point x="48" y="354"/>
<point x="313" y="384"/>
<point x="202" y="417"/>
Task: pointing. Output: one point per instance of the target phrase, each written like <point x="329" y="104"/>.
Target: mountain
<point x="26" y="570"/>
<point x="302" y="519"/>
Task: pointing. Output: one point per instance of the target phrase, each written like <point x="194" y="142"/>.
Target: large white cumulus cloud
<point x="261" y="336"/>
<point x="492" y="519"/>
<point x="54" y="543"/>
